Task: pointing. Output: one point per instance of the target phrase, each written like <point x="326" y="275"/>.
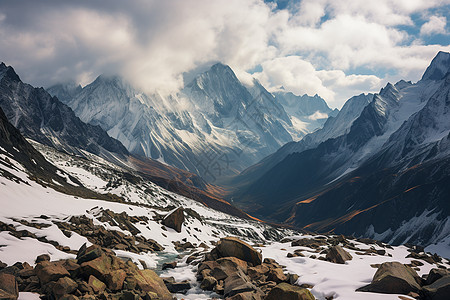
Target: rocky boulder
<point x="50" y="271"/>
<point x="9" y="290"/>
<point x="239" y="283"/>
<point x="175" y="219"/>
<point x="337" y="255"/>
<point x="233" y="247"/>
<point x="64" y="285"/>
<point x="436" y="274"/>
<point x="287" y="291"/>
<point x="438" y="290"/>
<point x="149" y="281"/>
<point x="393" y="278"/>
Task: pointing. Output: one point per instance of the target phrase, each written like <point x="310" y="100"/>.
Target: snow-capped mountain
<point x="334" y="126"/>
<point x="384" y="176"/>
<point x="44" y="118"/>
<point x="214" y="127"/>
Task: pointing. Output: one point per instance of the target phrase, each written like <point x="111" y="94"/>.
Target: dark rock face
<point x="338" y="255"/>
<point x="393" y="278"/>
<point x="410" y="168"/>
<point x="44" y="118"/>
<point x="436" y="274"/>
<point x="438" y="290"/>
<point x="234" y="247"/>
<point x="287" y="291"/>
<point x="175" y="219"/>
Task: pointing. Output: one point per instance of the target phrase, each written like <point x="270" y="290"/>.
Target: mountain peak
<point x="8" y="71"/>
<point x="439" y="67"/>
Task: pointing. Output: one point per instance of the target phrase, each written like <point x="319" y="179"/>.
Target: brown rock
<point x="231" y="246"/>
<point x="50" y="271"/>
<point x="64" y="285"/>
<point x="393" y="278"/>
<point x="96" y="284"/>
<point x="208" y="283"/>
<point x="175" y="219"/>
<point x="338" y="255"/>
<point x="99" y="267"/>
<point x="246" y="296"/>
<point x="238" y="283"/>
<point x="311" y="243"/>
<point x="148" y="281"/>
<point x="88" y="254"/>
<point x="257" y="272"/>
<point x="9" y="288"/>
<point x="286" y="291"/>
<point x="170" y="265"/>
<point x="42" y="257"/>
<point x="115" y="279"/>
<point x="276" y="275"/>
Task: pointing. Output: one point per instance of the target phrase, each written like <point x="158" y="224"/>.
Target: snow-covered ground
<point x="31" y="202"/>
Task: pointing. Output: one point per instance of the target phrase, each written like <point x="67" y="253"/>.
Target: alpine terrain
<point x="385" y="176"/>
<point x="215" y="127"/>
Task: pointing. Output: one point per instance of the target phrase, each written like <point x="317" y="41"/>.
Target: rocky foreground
<point x="232" y="270"/>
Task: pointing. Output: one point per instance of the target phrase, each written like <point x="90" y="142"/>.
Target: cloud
<point x="300" y="77"/>
<point x="318" y="116"/>
<point x="435" y="25"/>
<point x="323" y="47"/>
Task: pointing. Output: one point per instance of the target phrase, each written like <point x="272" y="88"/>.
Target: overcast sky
<point x="334" y="48"/>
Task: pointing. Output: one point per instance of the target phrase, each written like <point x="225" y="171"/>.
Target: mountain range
<point x="377" y="168"/>
<point x="385" y="175"/>
<point x="214" y="127"/>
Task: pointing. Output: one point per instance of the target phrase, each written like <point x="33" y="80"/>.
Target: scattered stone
<point x="393" y="278"/>
<point x="97" y="285"/>
<point x="9" y="289"/>
<point x="287" y="291"/>
<point x="208" y="283"/>
<point x="311" y="243"/>
<point x="246" y="296"/>
<point x="231" y="246"/>
<point x="170" y="265"/>
<point x="64" y="285"/>
<point x="149" y="281"/>
<point x="50" y="271"/>
<point x="115" y="279"/>
<point x="88" y="254"/>
<point x="338" y="255"/>
<point x="238" y="283"/>
<point x="436" y="274"/>
<point x="276" y="275"/>
<point x="42" y="257"/>
<point x="175" y="219"/>
<point x="176" y="287"/>
<point x="438" y="290"/>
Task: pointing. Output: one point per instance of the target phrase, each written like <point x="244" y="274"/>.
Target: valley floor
<point x="39" y="214"/>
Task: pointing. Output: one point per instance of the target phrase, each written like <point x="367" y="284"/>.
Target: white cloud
<point x="300" y="77"/>
<point x="318" y="116"/>
<point x="435" y="25"/>
<point x="316" y="47"/>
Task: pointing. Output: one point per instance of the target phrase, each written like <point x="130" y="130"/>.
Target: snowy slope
<point x="30" y="207"/>
<point x="386" y="177"/>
